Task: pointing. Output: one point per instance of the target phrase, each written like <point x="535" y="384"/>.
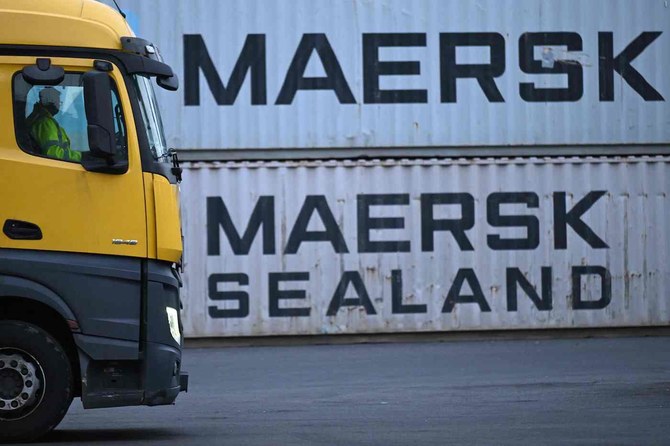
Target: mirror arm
<point x="176" y="168"/>
<point x="103" y="165"/>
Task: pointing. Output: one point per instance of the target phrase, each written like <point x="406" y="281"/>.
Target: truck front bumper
<point x="166" y="396"/>
<point x="156" y="379"/>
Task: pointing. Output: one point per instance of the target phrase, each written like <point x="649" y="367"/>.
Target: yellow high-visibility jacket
<point x="50" y="136"/>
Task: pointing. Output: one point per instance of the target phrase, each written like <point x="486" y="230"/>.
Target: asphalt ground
<point x="566" y="391"/>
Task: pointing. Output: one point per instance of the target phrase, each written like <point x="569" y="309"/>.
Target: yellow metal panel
<point x="64" y="7"/>
<point x="151" y="214"/>
<point x="77" y="210"/>
<point x="168" y="226"/>
<point x="98" y="12"/>
<point x="70" y="23"/>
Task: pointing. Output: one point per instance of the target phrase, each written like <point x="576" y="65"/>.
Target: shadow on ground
<point x="87" y="436"/>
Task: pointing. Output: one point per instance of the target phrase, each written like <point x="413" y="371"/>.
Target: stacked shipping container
<point x="517" y="171"/>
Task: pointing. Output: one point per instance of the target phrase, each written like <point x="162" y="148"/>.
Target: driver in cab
<point x="46" y="131"/>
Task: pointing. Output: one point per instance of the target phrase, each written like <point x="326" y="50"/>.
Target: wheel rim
<point x="22" y="384"/>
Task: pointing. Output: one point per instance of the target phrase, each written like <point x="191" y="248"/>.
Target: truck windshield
<point x="151" y="118"/>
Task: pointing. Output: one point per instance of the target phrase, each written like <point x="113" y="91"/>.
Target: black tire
<point x="50" y="405"/>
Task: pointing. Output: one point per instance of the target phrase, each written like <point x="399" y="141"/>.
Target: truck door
<point x="50" y="202"/>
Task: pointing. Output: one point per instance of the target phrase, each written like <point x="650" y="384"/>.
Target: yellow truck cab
<point x="91" y="243"/>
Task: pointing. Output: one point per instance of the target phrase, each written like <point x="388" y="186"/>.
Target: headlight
<point x="173" y="322"/>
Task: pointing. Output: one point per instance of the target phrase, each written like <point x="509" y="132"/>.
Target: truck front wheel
<point x="35" y="382"/>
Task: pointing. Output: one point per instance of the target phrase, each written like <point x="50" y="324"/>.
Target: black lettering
<point x="252" y="59"/>
<point x="366" y="223"/>
<point x="605" y="287"/>
<point x="218" y="215"/>
<point x="516" y="277"/>
<point x="241" y="297"/>
<point x="530" y="222"/>
<point x="456" y="226"/>
<point x="573" y="69"/>
<point x="622" y="65"/>
<point x="362" y="300"/>
<point x="373" y="68"/>
<point x="484" y="73"/>
<point x="276" y="294"/>
<point x="454" y="295"/>
<point x="397" y="306"/>
<point x="563" y="219"/>
<point x="295" y="79"/>
<point x="331" y="234"/>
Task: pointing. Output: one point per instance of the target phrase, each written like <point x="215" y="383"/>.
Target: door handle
<point x="22" y="230"/>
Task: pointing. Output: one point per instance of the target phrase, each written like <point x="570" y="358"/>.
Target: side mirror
<point x="42" y="73"/>
<point x="99" y="114"/>
<point x="169" y="83"/>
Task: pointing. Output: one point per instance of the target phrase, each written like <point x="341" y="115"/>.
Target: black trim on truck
<point x="125" y="350"/>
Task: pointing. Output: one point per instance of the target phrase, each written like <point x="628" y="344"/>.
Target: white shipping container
<point x="335" y="78"/>
<point x="331" y="247"/>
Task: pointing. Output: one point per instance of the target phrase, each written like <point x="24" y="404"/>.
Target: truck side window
<point x="50" y="121"/>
